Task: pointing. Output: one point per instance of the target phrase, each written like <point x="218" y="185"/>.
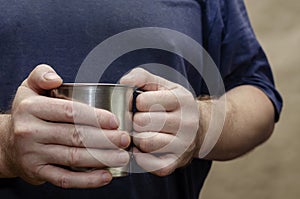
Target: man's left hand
<point x="166" y="124"/>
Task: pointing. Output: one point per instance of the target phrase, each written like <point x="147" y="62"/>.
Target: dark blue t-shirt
<point x="62" y="33"/>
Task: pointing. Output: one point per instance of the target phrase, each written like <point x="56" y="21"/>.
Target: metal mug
<point x="116" y="98"/>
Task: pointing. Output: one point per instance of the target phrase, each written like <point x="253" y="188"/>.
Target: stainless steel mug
<point x="116" y="98"/>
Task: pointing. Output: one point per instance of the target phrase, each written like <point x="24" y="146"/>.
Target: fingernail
<point x="124" y="140"/>
<point x="51" y="76"/>
<point x="114" y="123"/>
<point x="106" y="177"/>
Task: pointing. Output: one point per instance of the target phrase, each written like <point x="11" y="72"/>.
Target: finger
<point x="163" y="100"/>
<point x="68" y="179"/>
<point x="159" y="165"/>
<point x="82" y="136"/>
<point x="168" y="122"/>
<point x="59" y="110"/>
<point x="143" y="79"/>
<point x="43" y="77"/>
<point x="153" y="142"/>
<point x="83" y="157"/>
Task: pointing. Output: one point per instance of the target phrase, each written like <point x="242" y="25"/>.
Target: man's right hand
<point x="42" y="139"/>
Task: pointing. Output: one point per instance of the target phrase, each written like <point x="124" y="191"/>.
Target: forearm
<point x="249" y="122"/>
<point x="4" y="128"/>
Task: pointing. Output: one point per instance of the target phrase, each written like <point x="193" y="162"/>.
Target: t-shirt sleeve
<point x="242" y="58"/>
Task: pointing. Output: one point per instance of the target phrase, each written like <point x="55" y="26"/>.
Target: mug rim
<point x="68" y="84"/>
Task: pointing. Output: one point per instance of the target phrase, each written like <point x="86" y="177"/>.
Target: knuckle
<point x="42" y="66"/>
<point x="77" y="137"/>
<point x="69" y="111"/>
<point x="73" y="157"/>
<point x="38" y="170"/>
<point x="63" y="182"/>
<point x="138" y="70"/>
<point x="140" y="73"/>
<point x="22" y="130"/>
<point x="176" y="105"/>
<point x="26" y="105"/>
<point x="19" y="128"/>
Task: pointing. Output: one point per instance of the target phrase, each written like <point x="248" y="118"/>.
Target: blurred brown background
<point x="271" y="171"/>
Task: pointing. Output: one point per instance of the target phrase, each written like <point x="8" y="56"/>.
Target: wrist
<point x="204" y="106"/>
<point x="5" y="126"/>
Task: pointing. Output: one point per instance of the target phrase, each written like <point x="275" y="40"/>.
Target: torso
<point x="61" y="34"/>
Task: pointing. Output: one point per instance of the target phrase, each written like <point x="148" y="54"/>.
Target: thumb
<point x="145" y="80"/>
<point x="42" y="78"/>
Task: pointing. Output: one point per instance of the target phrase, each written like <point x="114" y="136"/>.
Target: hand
<point x="166" y="125"/>
<point x="43" y="138"/>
